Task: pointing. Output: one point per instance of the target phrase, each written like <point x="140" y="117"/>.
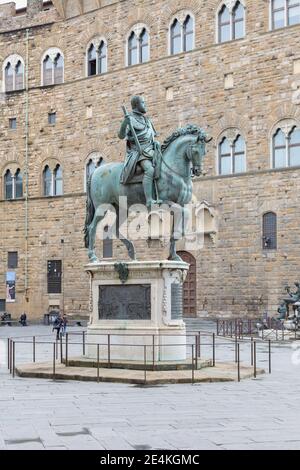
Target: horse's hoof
<point x="94" y="259"/>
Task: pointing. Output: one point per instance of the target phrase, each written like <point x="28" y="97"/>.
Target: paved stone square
<point x="258" y="413"/>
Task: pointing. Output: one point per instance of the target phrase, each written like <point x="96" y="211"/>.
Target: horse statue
<point x="182" y="155"/>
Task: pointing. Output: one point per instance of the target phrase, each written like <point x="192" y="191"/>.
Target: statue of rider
<point x="142" y="149"/>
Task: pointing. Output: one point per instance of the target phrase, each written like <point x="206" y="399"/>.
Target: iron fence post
<point x="270" y="353"/>
<point x="8" y="353"/>
<point x="193" y="370"/>
<point x="238" y="363"/>
<point x="251" y="350"/>
<point x="235" y="348"/>
<point x="98" y="360"/>
<point x="254" y="350"/>
<point x="196" y="351"/>
<point x="153" y="352"/>
<point x="54" y="358"/>
<point x="217" y="327"/>
<point x="145" y="364"/>
<point x="83" y="343"/>
<point x="10" y="356"/>
<point x="61" y="350"/>
<point x="33" y="348"/>
<point x="214" y="350"/>
<point x="108" y="350"/>
<point x="199" y="344"/>
<point x="14" y="358"/>
<point x="67" y="352"/>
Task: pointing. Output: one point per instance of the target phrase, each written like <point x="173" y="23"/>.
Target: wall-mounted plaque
<point x="125" y="302"/>
<point x="176" y="302"/>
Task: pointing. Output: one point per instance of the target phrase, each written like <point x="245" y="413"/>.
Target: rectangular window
<point x="12" y="259"/>
<point x="13" y="123"/>
<point x="54" y="274"/>
<point x="52" y="119"/>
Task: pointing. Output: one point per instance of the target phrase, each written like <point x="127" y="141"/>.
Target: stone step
<point x="138" y="365"/>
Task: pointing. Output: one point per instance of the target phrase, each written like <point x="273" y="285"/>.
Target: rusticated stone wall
<point x="234" y="275"/>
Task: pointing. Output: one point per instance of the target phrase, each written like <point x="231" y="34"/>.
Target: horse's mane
<point x="189" y="129"/>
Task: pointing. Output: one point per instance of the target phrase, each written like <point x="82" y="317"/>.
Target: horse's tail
<point x="90" y="212"/>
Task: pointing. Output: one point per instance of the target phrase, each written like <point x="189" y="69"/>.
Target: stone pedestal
<point x="135" y="304"/>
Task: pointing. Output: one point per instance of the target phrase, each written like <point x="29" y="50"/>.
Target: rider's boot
<point x="147" y="185"/>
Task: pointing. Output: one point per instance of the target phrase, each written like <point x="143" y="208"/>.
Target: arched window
<point x="285" y="13"/>
<point x="224" y="157"/>
<point x="9" y="77"/>
<point x="294" y="147"/>
<point x="238" y="21"/>
<point x="58" y="181"/>
<point x="19" y="76"/>
<point x="102" y="58"/>
<point x="132" y="49"/>
<point x="92" y="61"/>
<point x="231" y="23"/>
<point x="224" y="24"/>
<point x="269" y="236"/>
<point x="138" y="47"/>
<point x="58" y="69"/>
<point x="13" y="185"/>
<point x="239" y="156"/>
<point x="144" y="46"/>
<point x="47" y="181"/>
<point x="176" y="37"/>
<point x="52" y="67"/>
<point x="279" y="149"/>
<point x="286" y="148"/>
<point x="232" y="156"/>
<point x="8" y="185"/>
<point x="188" y="34"/>
<point x="19" y="184"/>
<point x="13" y="73"/>
<point x="97" y="58"/>
<point x="182" y="35"/>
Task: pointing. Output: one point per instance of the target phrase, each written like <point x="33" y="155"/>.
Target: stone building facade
<point x="247" y="86"/>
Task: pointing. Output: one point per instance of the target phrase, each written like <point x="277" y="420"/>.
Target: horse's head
<point x="196" y="153"/>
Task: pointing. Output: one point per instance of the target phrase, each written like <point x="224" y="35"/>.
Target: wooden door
<point x="190" y="286"/>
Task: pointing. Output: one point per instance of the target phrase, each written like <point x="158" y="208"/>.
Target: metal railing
<point x="61" y="351"/>
<point x="242" y="328"/>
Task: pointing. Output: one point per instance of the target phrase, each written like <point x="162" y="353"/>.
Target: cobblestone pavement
<point x="261" y="413"/>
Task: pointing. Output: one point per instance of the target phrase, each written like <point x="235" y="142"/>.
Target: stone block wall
<point x="234" y="275"/>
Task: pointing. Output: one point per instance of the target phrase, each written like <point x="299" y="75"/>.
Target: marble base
<point x="143" y="310"/>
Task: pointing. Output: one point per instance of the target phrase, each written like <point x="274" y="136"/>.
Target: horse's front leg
<point x="92" y="235"/>
<point x="177" y="231"/>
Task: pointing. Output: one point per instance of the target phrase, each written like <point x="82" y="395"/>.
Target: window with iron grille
<point x="12" y="259"/>
<point x="54" y="274"/>
<point x="269" y="231"/>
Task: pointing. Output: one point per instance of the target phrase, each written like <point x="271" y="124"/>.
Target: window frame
<point x="233" y="154"/>
<point x="13" y="60"/>
<point x="56" y="286"/>
<point x="13" y="184"/>
<point x="52" y="54"/>
<point x="287" y="147"/>
<point x="183" y="33"/>
<point x="286" y="9"/>
<point x="266" y="234"/>
<point x="12" y="255"/>
<point x="232" y="22"/>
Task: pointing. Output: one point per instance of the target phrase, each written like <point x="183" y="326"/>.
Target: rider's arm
<point x="122" y="131"/>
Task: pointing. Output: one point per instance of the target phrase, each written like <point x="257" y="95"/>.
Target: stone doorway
<point x="190" y="286"/>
